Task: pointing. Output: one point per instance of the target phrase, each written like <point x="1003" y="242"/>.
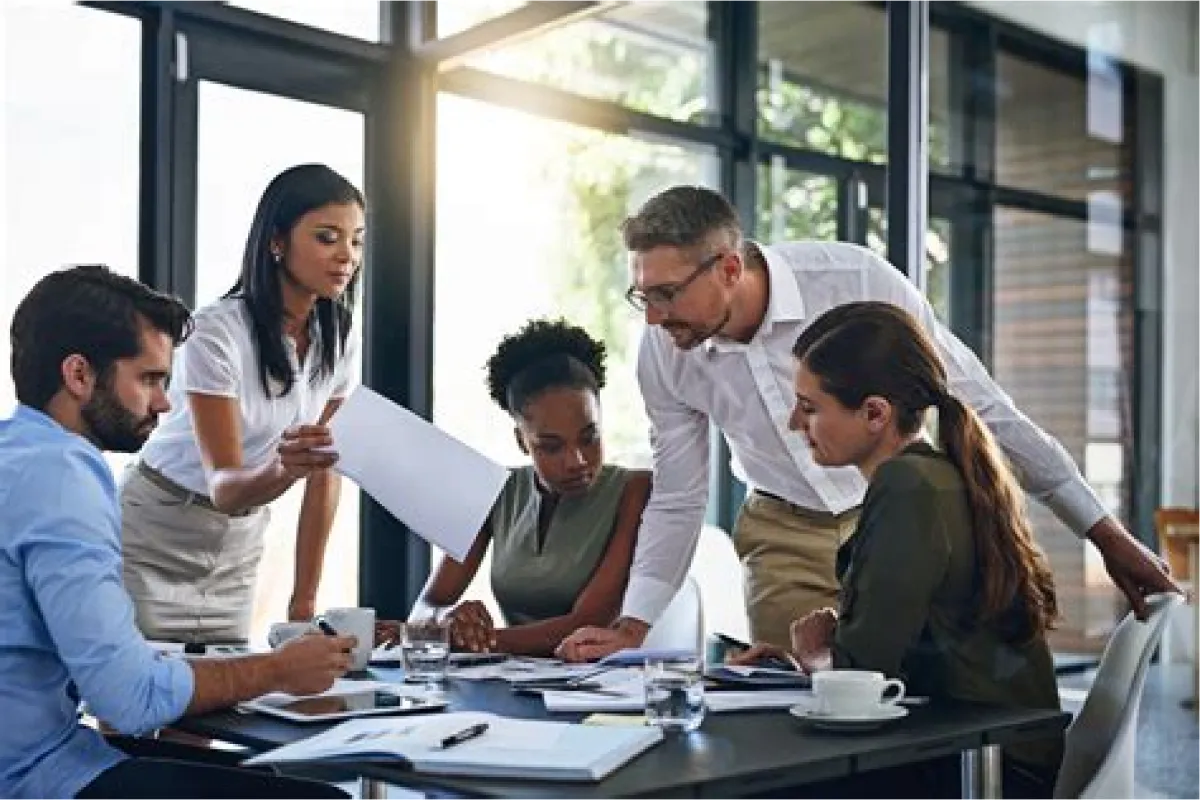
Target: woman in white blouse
<point x="251" y="391"/>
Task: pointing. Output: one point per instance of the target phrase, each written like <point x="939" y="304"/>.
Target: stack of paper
<point x="624" y="690"/>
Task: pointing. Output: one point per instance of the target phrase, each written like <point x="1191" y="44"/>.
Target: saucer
<point x="881" y="715"/>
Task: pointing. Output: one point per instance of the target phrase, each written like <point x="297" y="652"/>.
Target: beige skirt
<point x="189" y="568"/>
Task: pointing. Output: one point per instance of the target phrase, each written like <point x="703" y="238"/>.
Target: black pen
<point x="326" y="628"/>
<point x="464" y="735"/>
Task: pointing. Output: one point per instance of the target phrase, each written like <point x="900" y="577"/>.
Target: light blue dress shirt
<point x="66" y="624"/>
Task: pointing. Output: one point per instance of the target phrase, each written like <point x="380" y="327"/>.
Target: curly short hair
<point x="544" y="354"/>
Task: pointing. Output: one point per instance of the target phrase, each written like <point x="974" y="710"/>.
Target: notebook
<point x="509" y="748"/>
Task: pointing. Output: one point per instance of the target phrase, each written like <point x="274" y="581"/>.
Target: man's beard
<point x="112" y="426"/>
<point x="697" y="335"/>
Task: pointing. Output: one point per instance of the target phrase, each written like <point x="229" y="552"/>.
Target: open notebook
<point x="509" y="748"/>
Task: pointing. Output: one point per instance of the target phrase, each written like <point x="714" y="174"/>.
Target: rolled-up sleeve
<point x="1044" y="467"/>
<point x="72" y="565"/>
<point x="671" y="522"/>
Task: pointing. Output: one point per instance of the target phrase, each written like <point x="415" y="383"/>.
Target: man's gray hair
<point x="683" y="217"/>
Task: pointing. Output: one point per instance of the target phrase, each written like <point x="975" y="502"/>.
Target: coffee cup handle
<point x="892" y="683"/>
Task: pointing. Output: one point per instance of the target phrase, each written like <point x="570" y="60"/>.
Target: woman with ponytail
<point x="942" y="583"/>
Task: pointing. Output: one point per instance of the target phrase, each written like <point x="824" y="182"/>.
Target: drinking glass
<point x="675" y="692"/>
<point x="425" y="650"/>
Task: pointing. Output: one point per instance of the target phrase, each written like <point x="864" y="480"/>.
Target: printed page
<point x="436" y="485"/>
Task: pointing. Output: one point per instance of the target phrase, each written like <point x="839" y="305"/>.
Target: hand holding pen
<point x="310" y="664"/>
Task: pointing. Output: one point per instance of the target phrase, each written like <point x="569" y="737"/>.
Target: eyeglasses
<point x="661" y="297"/>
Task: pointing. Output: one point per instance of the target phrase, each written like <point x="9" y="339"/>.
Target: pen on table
<point x="464" y="735"/>
<point x="326" y="628"/>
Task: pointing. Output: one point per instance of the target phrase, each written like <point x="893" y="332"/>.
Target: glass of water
<point x="424" y="650"/>
<point x="675" y="692"/>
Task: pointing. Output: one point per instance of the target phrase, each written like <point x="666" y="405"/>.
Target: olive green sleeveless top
<point x="531" y="582"/>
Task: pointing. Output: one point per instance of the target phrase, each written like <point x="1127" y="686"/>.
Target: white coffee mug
<point x="854" y="692"/>
<point x="283" y="632"/>
<point x="357" y="622"/>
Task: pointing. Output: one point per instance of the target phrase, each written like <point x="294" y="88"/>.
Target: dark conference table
<point x="732" y="755"/>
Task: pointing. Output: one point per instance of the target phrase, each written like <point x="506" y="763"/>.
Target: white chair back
<point x="1102" y="740"/>
<point x="719" y="573"/>
<point x="681" y="626"/>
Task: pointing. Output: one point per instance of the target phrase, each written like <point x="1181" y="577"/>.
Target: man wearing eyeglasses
<point x="722" y="317"/>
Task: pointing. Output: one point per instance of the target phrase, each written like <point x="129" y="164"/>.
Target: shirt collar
<point x="32" y="416"/>
<point x="785" y="303"/>
<point x="40" y="419"/>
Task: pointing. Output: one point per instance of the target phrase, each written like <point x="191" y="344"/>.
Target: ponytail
<point x="1015" y="586"/>
<point x="873" y="348"/>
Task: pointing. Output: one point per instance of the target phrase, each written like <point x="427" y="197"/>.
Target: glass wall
<point x="1031" y="218"/>
<point x="540" y="236"/>
<point x="822" y="78"/>
<point x="456" y="17"/>
<point x="357" y="18"/>
<point x="653" y="57"/>
<point x="1063" y="311"/>
<point x="70" y="165"/>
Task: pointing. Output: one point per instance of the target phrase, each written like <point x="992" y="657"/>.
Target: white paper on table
<point x="629" y="684"/>
<point x="439" y="487"/>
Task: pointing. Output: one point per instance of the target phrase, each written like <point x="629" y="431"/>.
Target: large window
<point x="795" y="205"/>
<point x="822" y="77"/>
<point x="652" y="57"/>
<point x="1059" y="133"/>
<point x="1063" y="315"/>
<point x="456" y="17"/>
<point x="70" y="152"/>
<point x="235" y="161"/>
<point x="358" y="18"/>
<point x="548" y="138"/>
<point x="538" y="235"/>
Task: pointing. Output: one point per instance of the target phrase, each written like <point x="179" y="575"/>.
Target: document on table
<point x="439" y="487"/>
<point x="504" y="748"/>
<point x="624" y="691"/>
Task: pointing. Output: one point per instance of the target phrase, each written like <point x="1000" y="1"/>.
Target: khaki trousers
<point x="190" y="570"/>
<point x="789" y="559"/>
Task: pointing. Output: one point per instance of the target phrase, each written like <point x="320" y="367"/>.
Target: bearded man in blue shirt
<point x="91" y="355"/>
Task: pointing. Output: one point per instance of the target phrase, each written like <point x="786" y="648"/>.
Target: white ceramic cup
<point x="283" y="632"/>
<point x="357" y="622"/>
<point x="854" y="692"/>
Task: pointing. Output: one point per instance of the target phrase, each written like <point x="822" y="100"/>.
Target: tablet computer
<point x="330" y="708"/>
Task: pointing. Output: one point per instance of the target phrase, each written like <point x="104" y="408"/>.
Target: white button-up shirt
<point x="747" y="391"/>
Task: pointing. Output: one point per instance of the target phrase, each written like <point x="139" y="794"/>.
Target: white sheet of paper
<point x="629" y="683"/>
<point x="436" y="485"/>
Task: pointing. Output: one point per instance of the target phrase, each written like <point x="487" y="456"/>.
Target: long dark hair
<point x="292" y="194"/>
<point x="872" y="348"/>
